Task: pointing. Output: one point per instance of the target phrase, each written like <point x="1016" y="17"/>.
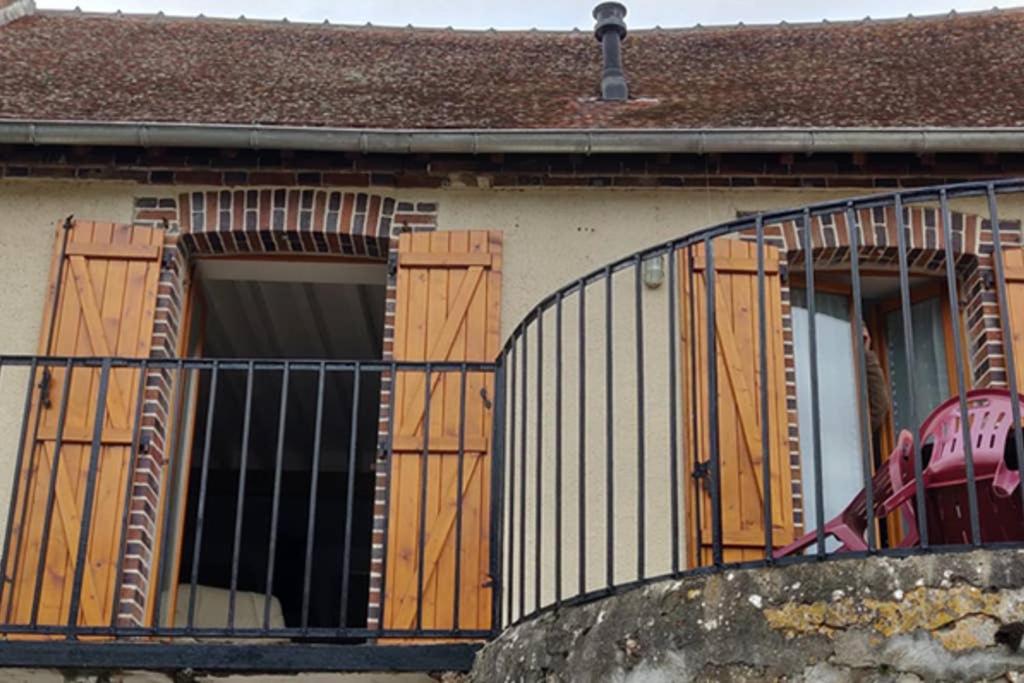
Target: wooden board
<point x="105" y="306"/>
<point x="449" y="288"/>
<point x="740" y="413"/>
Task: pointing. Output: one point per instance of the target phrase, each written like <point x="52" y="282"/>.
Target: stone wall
<point x="932" y="617"/>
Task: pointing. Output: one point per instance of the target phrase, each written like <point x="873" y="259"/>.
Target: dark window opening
<point x="337" y="316"/>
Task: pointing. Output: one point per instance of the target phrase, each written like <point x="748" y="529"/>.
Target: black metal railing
<point x="675" y="411"/>
<point x="238" y="498"/>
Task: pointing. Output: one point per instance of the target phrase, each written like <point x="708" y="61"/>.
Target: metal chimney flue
<point x="610" y="30"/>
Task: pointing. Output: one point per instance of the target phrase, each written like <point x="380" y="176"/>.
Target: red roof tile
<point x="957" y="71"/>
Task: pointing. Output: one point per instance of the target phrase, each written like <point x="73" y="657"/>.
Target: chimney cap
<point x="610" y="16"/>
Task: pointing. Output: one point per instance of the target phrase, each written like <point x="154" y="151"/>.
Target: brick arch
<point x="306" y="221"/>
<point x="923" y="231"/>
<point x="264" y="221"/>
<point x="878" y="246"/>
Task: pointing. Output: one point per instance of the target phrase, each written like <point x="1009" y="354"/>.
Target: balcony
<point x="829" y="382"/>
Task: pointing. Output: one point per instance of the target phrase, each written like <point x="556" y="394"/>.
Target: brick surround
<point x="830" y="244"/>
<point x="263" y="220"/>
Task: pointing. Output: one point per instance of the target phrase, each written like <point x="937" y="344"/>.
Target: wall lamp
<point x="654" y="271"/>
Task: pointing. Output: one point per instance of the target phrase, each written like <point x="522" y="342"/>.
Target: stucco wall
<point x="550" y="237"/>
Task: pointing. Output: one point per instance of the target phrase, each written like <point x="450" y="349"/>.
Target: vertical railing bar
<point x="197" y="544"/>
<point x="558" y="449"/>
<point x="460" y="468"/>
<point x="389" y="447"/>
<point x="762" y="340"/>
<point x="46" y="380"/>
<point x="641" y="441"/>
<point x="425" y="456"/>
<point x="908" y="350"/>
<point x="539" y="479"/>
<point x="522" y="475"/>
<point x="129" y="488"/>
<point x="862" y="382"/>
<point x="350" y="493"/>
<point x="275" y="504"/>
<point x="314" y="481"/>
<point x="1009" y="353"/>
<point x="236" y="550"/>
<point x="673" y="408"/>
<point x="609" y="407"/>
<point x="812" y="311"/>
<point x="171" y="493"/>
<point x="510" y="550"/>
<point x="87" y="504"/>
<point x="961" y="377"/>
<point x="582" y="440"/>
<point x="497" y="522"/>
<point x="12" y="512"/>
<point x="712" y="351"/>
<point x="51" y="492"/>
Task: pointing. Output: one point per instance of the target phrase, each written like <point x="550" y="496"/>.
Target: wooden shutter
<point x="447" y="310"/>
<point x="739" y="407"/>
<point x="104" y="307"/>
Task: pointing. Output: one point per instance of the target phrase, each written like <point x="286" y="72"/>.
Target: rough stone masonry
<point x="932" y="617"/>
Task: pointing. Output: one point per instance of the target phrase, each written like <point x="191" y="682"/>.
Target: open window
<point x="269" y="452"/>
<point x="840" y="408"/>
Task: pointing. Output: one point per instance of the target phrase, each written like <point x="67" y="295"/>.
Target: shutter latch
<point x="487" y="401"/>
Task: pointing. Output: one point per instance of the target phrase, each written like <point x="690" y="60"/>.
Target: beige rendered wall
<point x="551" y="237"/>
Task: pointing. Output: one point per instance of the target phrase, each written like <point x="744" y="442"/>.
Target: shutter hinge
<point x="784" y="273"/>
<point x="382" y="449"/>
<point x="488" y="582"/>
<point x="392" y="265"/>
<point x="144" y="443"/>
<point x="45" y="385"/>
<point x="702" y="473"/>
<point x="167" y="259"/>
<point x="487" y="400"/>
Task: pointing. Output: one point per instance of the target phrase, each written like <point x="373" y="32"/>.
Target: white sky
<point x="555" y="14"/>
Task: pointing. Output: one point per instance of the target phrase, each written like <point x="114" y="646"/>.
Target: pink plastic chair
<point x="850" y="525"/>
<point x="990" y="421"/>
<point x="944" y="475"/>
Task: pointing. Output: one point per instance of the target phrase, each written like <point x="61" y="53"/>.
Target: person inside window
<point x="878" y="395"/>
<point x="878" y="410"/>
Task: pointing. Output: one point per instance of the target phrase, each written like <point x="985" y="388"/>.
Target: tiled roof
<point x="951" y="71"/>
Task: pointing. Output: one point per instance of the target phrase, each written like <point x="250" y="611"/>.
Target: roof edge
<point x="16" y="10"/>
<point x="513" y="141"/>
<point x="656" y="28"/>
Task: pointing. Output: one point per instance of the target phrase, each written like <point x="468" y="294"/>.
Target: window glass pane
<point x="841" y="457"/>
<point x="929" y="374"/>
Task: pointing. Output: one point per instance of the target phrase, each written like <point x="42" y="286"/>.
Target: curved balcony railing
<point x="772" y="389"/>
